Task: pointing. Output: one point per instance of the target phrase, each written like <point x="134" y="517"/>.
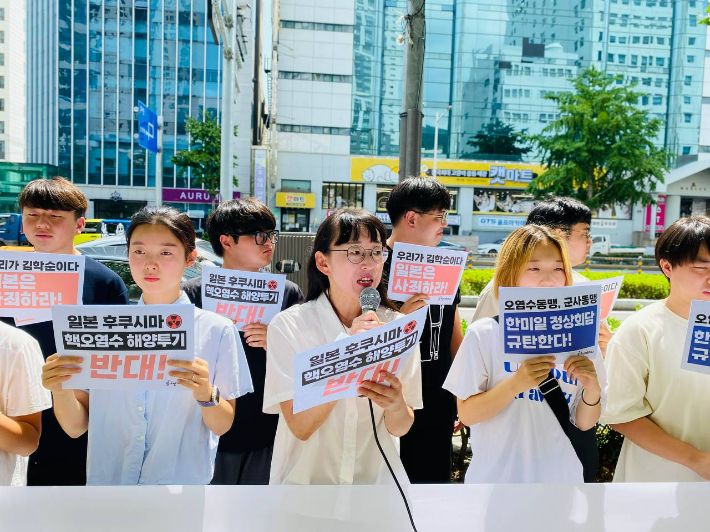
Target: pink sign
<point x="660" y="216"/>
<point x="190" y="195"/>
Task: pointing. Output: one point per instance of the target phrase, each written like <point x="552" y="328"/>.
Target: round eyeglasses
<point x="442" y="217"/>
<point x="356" y="254"/>
<point x="260" y="237"/>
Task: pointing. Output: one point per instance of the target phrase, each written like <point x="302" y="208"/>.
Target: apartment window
<point x="688" y="81"/>
<point x="660" y="61"/>
<point x="2" y="128"/>
<point x="2" y="36"/>
<point x="2" y="17"/>
<point x="622" y="40"/>
<point x="661" y="40"/>
<point x="691" y="59"/>
<point x="658" y="100"/>
<point x="686" y="100"/>
<point x="687" y="117"/>
<point x="691" y="41"/>
<point x="338" y="195"/>
<point x="2" y="149"/>
<point x="693" y="20"/>
<point x="622" y="59"/>
<point x="635" y="39"/>
<point x="2" y="82"/>
<point x="2" y="59"/>
<point x="686" y="150"/>
<point x="2" y="104"/>
<point x="646" y="39"/>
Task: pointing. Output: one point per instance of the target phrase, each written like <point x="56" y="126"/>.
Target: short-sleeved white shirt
<point x="21" y="392"/>
<point x="646" y="380"/>
<point x="343" y="449"/>
<point x="523" y="442"/>
<point x="487" y="305"/>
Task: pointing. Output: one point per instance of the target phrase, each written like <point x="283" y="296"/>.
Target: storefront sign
<point x="500" y="222"/>
<point x="660" y="215"/>
<point x="384" y="217"/>
<point x="471" y="173"/>
<point x="294" y="200"/>
<point x="190" y="195"/>
<point x="260" y="174"/>
<point x="603" y="224"/>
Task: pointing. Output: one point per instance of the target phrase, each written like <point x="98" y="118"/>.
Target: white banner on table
<point x="696" y="352"/>
<point x="243" y="297"/>
<point x="428" y="270"/>
<point x="562" y="321"/>
<point x="610" y="293"/>
<point x="335" y="371"/>
<point x="125" y="347"/>
<point x="31" y="283"/>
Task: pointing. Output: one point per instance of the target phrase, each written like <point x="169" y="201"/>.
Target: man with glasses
<point x="242" y="232"/>
<point x="571" y="220"/>
<point x="418" y="209"/>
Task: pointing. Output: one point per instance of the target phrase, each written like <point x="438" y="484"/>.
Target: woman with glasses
<point x="334" y="443"/>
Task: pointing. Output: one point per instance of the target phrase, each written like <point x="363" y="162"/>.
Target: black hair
<point x="423" y="194"/>
<point x="178" y="222"/>
<point x="345" y="225"/>
<point x="681" y="242"/>
<point x="241" y="215"/>
<point x="559" y="213"/>
<point x="56" y="194"/>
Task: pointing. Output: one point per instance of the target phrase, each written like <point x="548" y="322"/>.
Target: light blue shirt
<point x="159" y="437"/>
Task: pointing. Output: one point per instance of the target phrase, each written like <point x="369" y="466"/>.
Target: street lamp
<point x="436" y="136"/>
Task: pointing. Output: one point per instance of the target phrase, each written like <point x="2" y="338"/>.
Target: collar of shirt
<point x="181" y="300"/>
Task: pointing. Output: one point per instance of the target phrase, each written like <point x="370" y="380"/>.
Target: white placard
<point x="696" y="352"/>
<point x="243" y="297"/>
<point x="125" y="347"/>
<point x="429" y="270"/>
<point x="562" y="321"/>
<point x="336" y="370"/>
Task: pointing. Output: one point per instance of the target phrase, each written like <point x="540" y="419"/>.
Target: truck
<point x="601" y="245"/>
<point x="11" y="230"/>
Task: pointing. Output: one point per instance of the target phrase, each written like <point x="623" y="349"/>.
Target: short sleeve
<point x="487" y="306"/>
<point x="26" y="395"/>
<point x="470" y="369"/>
<point x="627" y="369"/>
<point x="231" y="373"/>
<point x="280" y="354"/>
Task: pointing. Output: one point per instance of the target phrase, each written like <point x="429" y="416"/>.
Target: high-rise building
<point x="491" y="61"/>
<point x="12" y="81"/>
<point x="92" y="61"/>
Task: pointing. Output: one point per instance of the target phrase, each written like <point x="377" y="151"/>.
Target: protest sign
<point x="125" y="347"/>
<point x="336" y="370"/>
<point x="425" y="270"/>
<point x="243" y="297"/>
<point x="31" y="283"/>
<point x="696" y="352"/>
<point x="610" y="292"/>
<point x="561" y="321"/>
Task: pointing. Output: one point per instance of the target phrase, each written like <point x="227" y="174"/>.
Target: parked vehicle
<point x="11" y="230"/>
<point x="450" y="246"/>
<point x="492" y="248"/>
<point x="601" y="245"/>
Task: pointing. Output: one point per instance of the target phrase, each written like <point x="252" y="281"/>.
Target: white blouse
<point x="343" y="449"/>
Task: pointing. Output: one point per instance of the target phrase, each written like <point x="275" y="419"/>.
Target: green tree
<point x="601" y="149"/>
<point x="203" y="157"/>
<point x="498" y="139"/>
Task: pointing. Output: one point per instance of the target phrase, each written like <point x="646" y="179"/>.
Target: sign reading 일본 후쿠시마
<point x="125" y="347"/>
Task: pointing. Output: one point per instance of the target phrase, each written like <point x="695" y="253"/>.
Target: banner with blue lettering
<point x="696" y="353"/>
<point x="562" y="321"/>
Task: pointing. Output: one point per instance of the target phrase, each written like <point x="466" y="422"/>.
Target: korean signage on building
<point x="295" y="200"/>
<point x="190" y="195"/>
<point x="467" y="173"/>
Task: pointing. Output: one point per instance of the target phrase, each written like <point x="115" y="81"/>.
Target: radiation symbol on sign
<point x="173" y="321"/>
<point x="409" y="328"/>
<point x="273" y="285"/>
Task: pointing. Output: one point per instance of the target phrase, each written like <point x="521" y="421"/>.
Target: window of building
<point x="691" y="41"/>
<point x="634" y="60"/>
<point x="2" y="82"/>
<point x="2" y="36"/>
<point x="686" y="100"/>
<point x="2" y="104"/>
<point x="693" y="20"/>
<point x="2" y="17"/>
<point x="644" y="100"/>
<point x="691" y="59"/>
<point x="2" y="149"/>
<point x="635" y="39"/>
<point x="688" y="81"/>
<point x="661" y="40"/>
<point x="295" y="185"/>
<point x="338" y="195"/>
<point x="383" y="193"/>
<point x="622" y="40"/>
<point x="2" y="127"/>
<point x="687" y="117"/>
<point x="622" y="59"/>
<point x="610" y="58"/>
<point x="658" y="100"/>
<point x="2" y="59"/>
<point x="646" y="39"/>
<point x="660" y="61"/>
<point x="658" y="82"/>
<point x="686" y="150"/>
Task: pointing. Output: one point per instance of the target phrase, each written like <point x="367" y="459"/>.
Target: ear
<point x="191" y="258"/>
<point x="80" y="224"/>
<point x="561" y="233"/>
<point x="322" y="263"/>
<point x="409" y="219"/>
<point x="227" y="242"/>
<point x="666" y="268"/>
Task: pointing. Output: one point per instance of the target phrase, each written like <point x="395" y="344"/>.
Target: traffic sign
<point x="147" y="128"/>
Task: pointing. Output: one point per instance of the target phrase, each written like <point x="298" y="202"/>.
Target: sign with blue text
<point x="147" y="128"/>
<point x="562" y="321"/>
<point x="696" y="353"/>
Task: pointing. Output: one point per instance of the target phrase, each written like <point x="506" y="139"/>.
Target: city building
<point x="12" y="81"/>
<point x="89" y="64"/>
<point x="340" y="71"/>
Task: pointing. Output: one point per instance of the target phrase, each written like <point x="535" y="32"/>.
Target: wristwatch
<point x="214" y="400"/>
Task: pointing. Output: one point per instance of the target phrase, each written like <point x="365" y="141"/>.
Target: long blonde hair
<point x="517" y="250"/>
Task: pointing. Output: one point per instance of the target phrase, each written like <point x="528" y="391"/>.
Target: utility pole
<point x="159" y="165"/>
<point x="410" y="124"/>
<point x="436" y="137"/>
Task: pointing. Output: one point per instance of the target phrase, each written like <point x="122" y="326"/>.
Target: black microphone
<point x="369" y="299"/>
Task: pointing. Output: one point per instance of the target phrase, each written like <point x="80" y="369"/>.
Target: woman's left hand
<point x="582" y="369"/>
<point x="196" y="377"/>
<point x="386" y="397"/>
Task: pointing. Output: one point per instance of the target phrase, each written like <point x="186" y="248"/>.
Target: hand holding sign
<point x="531" y="373"/>
<point x="196" y="377"/>
<point x="388" y="397"/>
<point x="255" y="334"/>
<point x="582" y="369"/>
<point x="57" y="370"/>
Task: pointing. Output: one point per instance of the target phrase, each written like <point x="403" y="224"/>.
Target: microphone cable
<point x="382" y="452"/>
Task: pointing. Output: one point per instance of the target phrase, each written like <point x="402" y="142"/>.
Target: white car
<point x="491" y="248"/>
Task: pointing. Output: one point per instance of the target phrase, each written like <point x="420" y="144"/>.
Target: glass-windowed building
<point x="89" y="64"/>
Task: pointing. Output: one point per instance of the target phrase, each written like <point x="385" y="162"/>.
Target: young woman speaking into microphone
<point x="334" y="443"/>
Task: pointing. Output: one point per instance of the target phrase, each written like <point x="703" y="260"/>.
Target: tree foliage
<point x="601" y="150"/>
<point x="203" y="157"/>
<point x="498" y="139"/>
